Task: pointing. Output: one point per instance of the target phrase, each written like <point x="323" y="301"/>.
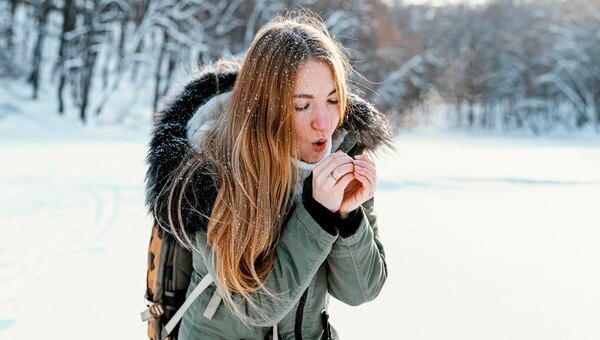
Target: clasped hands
<point x="341" y="184"/>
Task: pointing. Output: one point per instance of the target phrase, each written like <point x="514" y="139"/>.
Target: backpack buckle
<point x="154" y="311"/>
<point x="157" y="310"/>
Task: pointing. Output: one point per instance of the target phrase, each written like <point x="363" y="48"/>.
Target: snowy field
<point x="486" y="238"/>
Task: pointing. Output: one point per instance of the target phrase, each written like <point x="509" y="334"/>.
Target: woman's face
<point x="317" y="111"/>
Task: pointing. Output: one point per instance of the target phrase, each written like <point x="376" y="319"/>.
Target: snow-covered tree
<point x="507" y="64"/>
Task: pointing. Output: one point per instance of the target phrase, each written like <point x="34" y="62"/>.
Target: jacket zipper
<point x="299" y="314"/>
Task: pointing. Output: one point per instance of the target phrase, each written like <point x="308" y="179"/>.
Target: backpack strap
<point x="213" y="304"/>
<point x="204" y="283"/>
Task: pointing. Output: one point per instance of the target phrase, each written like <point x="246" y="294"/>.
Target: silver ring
<point x="333" y="176"/>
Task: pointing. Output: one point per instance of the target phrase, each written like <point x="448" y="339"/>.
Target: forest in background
<point x="506" y="65"/>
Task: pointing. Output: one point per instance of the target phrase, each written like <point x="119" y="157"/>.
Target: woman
<point x="259" y="170"/>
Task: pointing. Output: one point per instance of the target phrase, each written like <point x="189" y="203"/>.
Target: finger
<point x="328" y="159"/>
<point x="321" y="171"/>
<point x="365" y="159"/>
<point x="361" y="164"/>
<point x="344" y="181"/>
<point x="367" y="185"/>
<point x="365" y="169"/>
<point x="325" y="162"/>
<point x="369" y="176"/>
<point x="341" y="170"/>
<point x="332" y="165"/>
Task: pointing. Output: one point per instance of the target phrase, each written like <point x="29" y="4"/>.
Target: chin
<point x="313" y="158"/>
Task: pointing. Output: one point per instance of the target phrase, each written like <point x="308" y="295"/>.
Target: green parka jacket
<point x="313" y="260"/>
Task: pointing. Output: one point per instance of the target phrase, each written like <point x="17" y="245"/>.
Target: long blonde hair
<point x="250" y="149"/>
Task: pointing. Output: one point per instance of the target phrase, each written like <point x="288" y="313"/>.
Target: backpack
<point x="167" y="280"/>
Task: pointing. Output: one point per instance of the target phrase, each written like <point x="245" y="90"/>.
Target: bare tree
<point x="41" y="15"/>
<point x="10" y="24"/>
<point x="68" y="13"/>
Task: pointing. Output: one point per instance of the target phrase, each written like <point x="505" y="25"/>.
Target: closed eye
<point x="303" y="107"/>
<point x="332" y="101"/>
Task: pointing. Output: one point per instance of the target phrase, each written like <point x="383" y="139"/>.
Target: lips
<point x="319" y="145"/>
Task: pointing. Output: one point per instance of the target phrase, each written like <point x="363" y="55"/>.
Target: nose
<point x="320" y="118"/>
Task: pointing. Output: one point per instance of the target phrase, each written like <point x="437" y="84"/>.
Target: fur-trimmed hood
<point x="193" y="111"/>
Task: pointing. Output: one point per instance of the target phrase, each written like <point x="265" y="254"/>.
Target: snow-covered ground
<point x="486" y="237"/>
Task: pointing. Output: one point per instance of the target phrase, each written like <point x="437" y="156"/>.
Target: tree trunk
<point x="42" y="19"/>
<point x="158" y="78"/>
<point x="136" y="64"/>
<point x="89" y="60"/>
<point x="170" y="70"/>
<point x="9" y="28"/>
<point x="121" y="47"/>
<point x="471" y="115"/>
<point x="68" y="25"/>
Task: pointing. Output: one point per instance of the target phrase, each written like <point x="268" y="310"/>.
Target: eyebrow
<point x="310" y="96"/>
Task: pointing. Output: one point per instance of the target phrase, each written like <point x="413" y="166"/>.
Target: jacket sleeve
<point x="357" y="267"/>
<point x="302" y="248"/>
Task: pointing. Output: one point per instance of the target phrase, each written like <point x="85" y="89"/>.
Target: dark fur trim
<point x="169" y="144"/>
<point x="367" y="125"/>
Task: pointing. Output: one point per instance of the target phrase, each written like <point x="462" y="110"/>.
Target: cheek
<point x="300" y="127"/>
<point x="334" y="118"/>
